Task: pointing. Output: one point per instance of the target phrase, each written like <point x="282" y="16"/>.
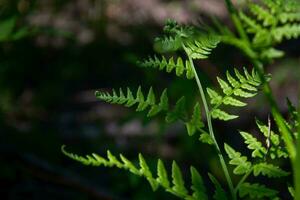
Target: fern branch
<point x="142" y="103"/>
<point x="242" y="86"/>
<point x="181" y="67"/>
<point x="177" y="187"/>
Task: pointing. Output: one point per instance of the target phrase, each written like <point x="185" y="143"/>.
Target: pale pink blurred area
<point x="75" y="17"/>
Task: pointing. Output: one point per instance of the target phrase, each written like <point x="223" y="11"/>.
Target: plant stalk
<point x="210" y="128"/>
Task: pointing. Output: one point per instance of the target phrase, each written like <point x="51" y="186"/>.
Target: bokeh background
<point x="55" y="54"/>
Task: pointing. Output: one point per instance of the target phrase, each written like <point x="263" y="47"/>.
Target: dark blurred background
<point x="55" y="54"/>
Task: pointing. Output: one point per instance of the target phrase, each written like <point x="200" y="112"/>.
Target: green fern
<point x="268" y="170"/>
<point x="142" y="103"/>
<point x="272" y="22"/>
<point x="256" y="191"/>
<point x="162" y="180"/>
<point x="244" y="86"/>
<point x="181" y="67"/>
<point x="202" y="46"/>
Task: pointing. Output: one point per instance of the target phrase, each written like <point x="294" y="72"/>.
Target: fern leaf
<point x="263" y="14"/>
<point x="233" y="102"/>
<point x="195" y="124"/>
<point x="225" y="87"/>
<point x="268" y="170"/>
<point x="257" y="149"/>
<point x="162" y="179"/>
<point x="180" y="66"/>
<point x="198" y="188"/>
<point x="256" y="191"/>
<point x="242" y="165"/>
<point x="129" y="100"/>
<point x="162" y="174"/>
<point x="219" y="193"/>
<point x="222" y="115"/>
<point x="206" y="138"/>
<point x="179" y="112"/>
<point x="147" y="173"/>
<point x="128" y="165"/>
<point x="201" y="46"/>
<point x="177" y="180"/>
<point x="215" y="98"/>
<point x="167" y="44"/>
<point x="287" y="31"/>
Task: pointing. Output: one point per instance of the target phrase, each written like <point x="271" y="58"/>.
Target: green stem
<point x="210" y="128"/>
<point x="237" y="23"/>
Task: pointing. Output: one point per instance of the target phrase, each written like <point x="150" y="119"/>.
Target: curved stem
<point x="210" y="128"/>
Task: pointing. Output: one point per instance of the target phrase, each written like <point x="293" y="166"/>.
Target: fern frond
<point x="244" y="86"/>
<point x="167" y="44"/>
<point x="280" y="18"/>
<point x="142" y="103"/>
<point x="201" y="46"/>
<point x="181" y="67"/>
<point x="195" y="124"/>
<point x="178" y="181"/>
<point x="176" y="188"/>
<point x="276" y="150"/>
<point x="256" y="191"/>
<point x="198" y="188"/>
<point x="258" y="150"/>
<point x="268" y="170"/>
<point x="242" y="165"/>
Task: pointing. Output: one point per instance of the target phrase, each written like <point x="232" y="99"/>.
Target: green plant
<point x="270" y="23"/>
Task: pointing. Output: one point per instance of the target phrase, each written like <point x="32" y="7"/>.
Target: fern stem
<point x="242" y="181"/>
<point x="210" y="128"/>
<point x="233" y="14"/>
